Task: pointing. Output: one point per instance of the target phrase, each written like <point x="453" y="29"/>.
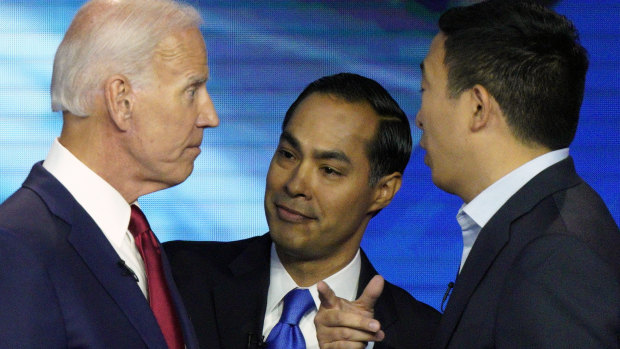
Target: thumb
<point x="371" y="293"/>
<point x="327" y="296"/>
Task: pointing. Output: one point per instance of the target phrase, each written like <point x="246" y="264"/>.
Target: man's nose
<point x="207" y="116"/>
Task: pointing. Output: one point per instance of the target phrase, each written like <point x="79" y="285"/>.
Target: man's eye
<point x="330" y="171"/>
<point x="285" y="154"/>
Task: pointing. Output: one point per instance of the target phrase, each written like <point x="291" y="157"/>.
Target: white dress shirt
<point x="105" y="205"/>
<point x="343" y="283"/>
<point x="473" y="216"/>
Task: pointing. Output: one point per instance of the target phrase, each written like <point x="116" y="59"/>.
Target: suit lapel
<point x="490" y="242"/>
<point x="494" y="236"/>
<point x="385" y="309"/>
<point x="98" y="255"/>
<point x="240" y="302"/>
<point x="189" y="335"/>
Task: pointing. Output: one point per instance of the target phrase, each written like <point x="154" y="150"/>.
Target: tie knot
<point x="296" y="303"/>
<point x="138" y="223"/>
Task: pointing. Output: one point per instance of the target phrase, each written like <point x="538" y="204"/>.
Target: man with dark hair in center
<point x="342" y="152"/>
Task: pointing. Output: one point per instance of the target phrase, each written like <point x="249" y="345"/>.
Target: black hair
<point x="390" y="149"/>
<point x="528" y="57"/>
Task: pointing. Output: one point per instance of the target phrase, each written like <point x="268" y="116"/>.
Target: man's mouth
<point x="288" y="214"/>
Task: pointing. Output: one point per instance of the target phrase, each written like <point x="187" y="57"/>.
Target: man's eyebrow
<point x="196" y="80"/>
<point x="290" y="139"/>
<point x="331" y="155"/>
<point x="317" y="154"/>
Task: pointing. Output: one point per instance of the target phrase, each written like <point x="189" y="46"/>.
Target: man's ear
<point x="385" y="189"/>
<point x="119" y="100"/>
<point x="482" y="107"/>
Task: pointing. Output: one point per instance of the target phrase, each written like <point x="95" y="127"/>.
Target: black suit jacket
<point x="543" y="273"/>
<point x="225" y="285"/>
<point x="60" y="283"/>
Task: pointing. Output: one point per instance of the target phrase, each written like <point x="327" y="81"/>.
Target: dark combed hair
<point x="530" y="60"/>
<point x="390" y="149"/>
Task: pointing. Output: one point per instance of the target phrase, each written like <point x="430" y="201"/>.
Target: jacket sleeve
<point x="30" y="315"/>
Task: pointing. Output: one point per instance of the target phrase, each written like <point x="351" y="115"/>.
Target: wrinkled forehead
<point x="182" y="50"/>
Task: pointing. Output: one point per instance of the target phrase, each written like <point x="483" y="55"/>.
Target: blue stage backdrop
<point x="261" y="55"/>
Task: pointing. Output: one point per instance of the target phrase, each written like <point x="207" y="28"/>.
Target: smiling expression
<point x="318" y="200"/>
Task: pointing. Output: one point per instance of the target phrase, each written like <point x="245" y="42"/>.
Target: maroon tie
<point x="159" y="295"/>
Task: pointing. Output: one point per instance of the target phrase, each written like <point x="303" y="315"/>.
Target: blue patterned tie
<point x="286" y="333"/>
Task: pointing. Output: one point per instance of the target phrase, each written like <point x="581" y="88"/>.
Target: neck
<point x="306" y="273"/>
<point x="494" y="164"/>
<point x="98" y="147"/>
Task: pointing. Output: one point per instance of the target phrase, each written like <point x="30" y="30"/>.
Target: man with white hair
<point x="79" y="264"/>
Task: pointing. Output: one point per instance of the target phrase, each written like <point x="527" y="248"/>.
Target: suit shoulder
<point x="581" y="198"/>
<point x="407" y="322"/>
<point x="23" y="210"/>
<point x="26" y="218"/>
<point x="407" y="304"/>
<point x="207" y="248"/>
<point x="197" y="254"/>
<point x="596" y="229"/>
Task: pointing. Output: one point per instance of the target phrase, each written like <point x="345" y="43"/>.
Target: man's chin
<point x="180" y="174"/>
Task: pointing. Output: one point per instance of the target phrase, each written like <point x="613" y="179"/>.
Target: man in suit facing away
<point x="502" y="86"/>
<point x="79" y="265"/>
<point x="344" y="146"/>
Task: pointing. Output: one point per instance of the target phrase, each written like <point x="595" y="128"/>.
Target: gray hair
<point x="109" y="37"/>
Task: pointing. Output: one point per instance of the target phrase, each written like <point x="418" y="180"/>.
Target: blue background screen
<point x="261" y="55"/>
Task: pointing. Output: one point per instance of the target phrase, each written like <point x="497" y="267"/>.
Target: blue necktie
<point x="286" y="333"/>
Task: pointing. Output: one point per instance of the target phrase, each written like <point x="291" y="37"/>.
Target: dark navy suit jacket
<point x="225" y="285"/>
<point x="543" y="273"/>
<point x="60" y="283"/>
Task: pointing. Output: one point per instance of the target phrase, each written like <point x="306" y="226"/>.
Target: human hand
<point x="341" y="324"/>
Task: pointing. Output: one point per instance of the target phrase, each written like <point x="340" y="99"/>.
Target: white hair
<point x="109" y="37"/>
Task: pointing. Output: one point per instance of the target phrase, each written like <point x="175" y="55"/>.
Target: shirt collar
<point x="105" y="205"/>
<point x="490" y="200"/>
<point x="343" y="283"/>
